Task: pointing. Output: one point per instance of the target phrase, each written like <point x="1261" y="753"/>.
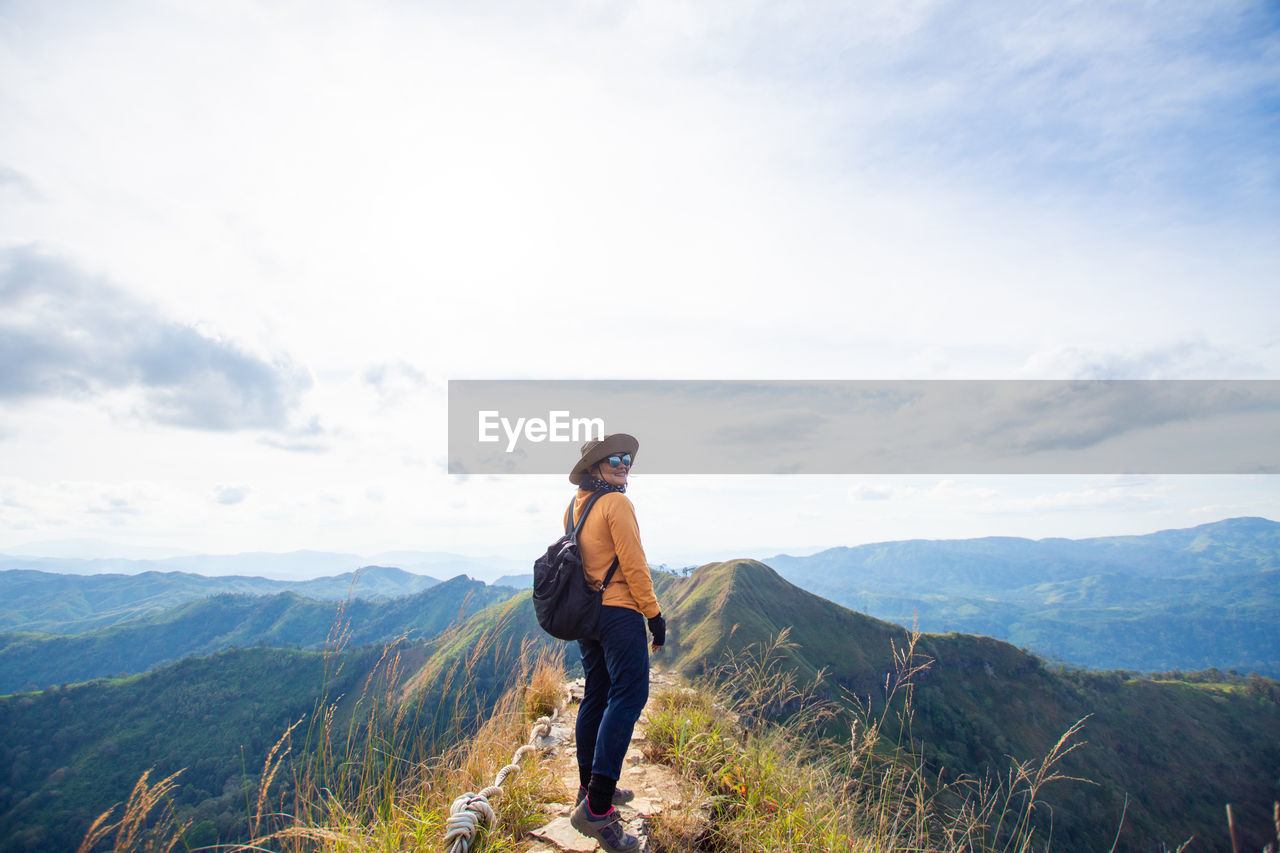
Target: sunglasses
<point x="616" y="461"/>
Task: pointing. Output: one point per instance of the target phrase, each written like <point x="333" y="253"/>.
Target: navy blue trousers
<point x="617" y="669"/>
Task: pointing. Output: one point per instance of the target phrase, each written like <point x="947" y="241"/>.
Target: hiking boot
<point x="606" y="828"/>
<point x="621" y="796"/>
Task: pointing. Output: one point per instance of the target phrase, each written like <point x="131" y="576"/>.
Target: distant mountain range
<point x="77" y="557"/>
<point x="68" y="604"/>
<point x="1206" y="596"/>
<point x="515" y="581"/>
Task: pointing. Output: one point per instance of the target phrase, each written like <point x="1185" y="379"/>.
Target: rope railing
<point x="471" y="809"/>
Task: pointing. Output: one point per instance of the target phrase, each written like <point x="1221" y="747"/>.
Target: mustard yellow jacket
<point x="611" y="531"/>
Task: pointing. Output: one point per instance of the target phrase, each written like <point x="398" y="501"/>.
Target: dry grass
<point x="545" y="691"/>
<point x="131" y="832"/>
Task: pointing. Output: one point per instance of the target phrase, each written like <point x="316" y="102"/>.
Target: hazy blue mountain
<point x="1190" y="598"/>
<point x="367" y="582"/>
<point x="515" y="581"/>
<point x="53" y="602"/>
<point x="295" y="565"/>
<point x="77" y="557"/>
<point x="445" y="565"/>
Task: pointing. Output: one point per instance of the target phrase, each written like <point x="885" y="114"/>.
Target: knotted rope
<point x="467" y="812"/>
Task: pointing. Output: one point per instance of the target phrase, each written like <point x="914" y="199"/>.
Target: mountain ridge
<point x="1195" y="539"/>
<point x="69" y="603"/>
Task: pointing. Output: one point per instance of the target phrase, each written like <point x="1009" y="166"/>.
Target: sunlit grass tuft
<point x="133" y="832"/>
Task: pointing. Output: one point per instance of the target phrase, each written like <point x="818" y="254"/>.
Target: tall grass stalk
<point x="132" y="832"/>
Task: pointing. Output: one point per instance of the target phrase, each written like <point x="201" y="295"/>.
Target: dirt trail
<point x="656" y="786"/>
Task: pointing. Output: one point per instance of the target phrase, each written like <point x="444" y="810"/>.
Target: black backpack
<point x="566" y="606"/>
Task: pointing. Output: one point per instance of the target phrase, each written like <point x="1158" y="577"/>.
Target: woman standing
<point x="616" y="662"/>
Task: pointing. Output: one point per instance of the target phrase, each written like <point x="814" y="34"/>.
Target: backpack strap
<point x="608" y="577"/>
<point x="568" y="519"/>
<point x="571" y="528"/>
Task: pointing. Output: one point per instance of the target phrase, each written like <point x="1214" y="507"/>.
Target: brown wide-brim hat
<point x="594" y="452"/>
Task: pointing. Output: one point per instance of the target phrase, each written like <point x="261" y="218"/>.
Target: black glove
<point x="658" y="627"/>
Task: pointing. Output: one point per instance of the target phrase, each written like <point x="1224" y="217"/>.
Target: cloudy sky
<point x="245" y="245"/>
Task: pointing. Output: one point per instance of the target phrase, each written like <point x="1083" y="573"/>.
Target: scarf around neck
<point x="595" y="484"/>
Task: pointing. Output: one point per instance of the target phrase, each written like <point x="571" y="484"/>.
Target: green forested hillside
<point x="67" y="754"/>
<point x="1178" y="599"/>
<point x="34" y="661"/>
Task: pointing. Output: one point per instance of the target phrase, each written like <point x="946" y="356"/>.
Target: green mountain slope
<point x="33" y="661"/>
<point x="1105" y="603"/>
<point x="69" y="604"/>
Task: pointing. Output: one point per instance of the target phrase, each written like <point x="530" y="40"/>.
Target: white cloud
<point x="230" y="495"/>
<point x="66" y="333"/>
<point x="1184" y="359"/>
<point x="870" y="492"/>
<point x="395" y="382"/>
